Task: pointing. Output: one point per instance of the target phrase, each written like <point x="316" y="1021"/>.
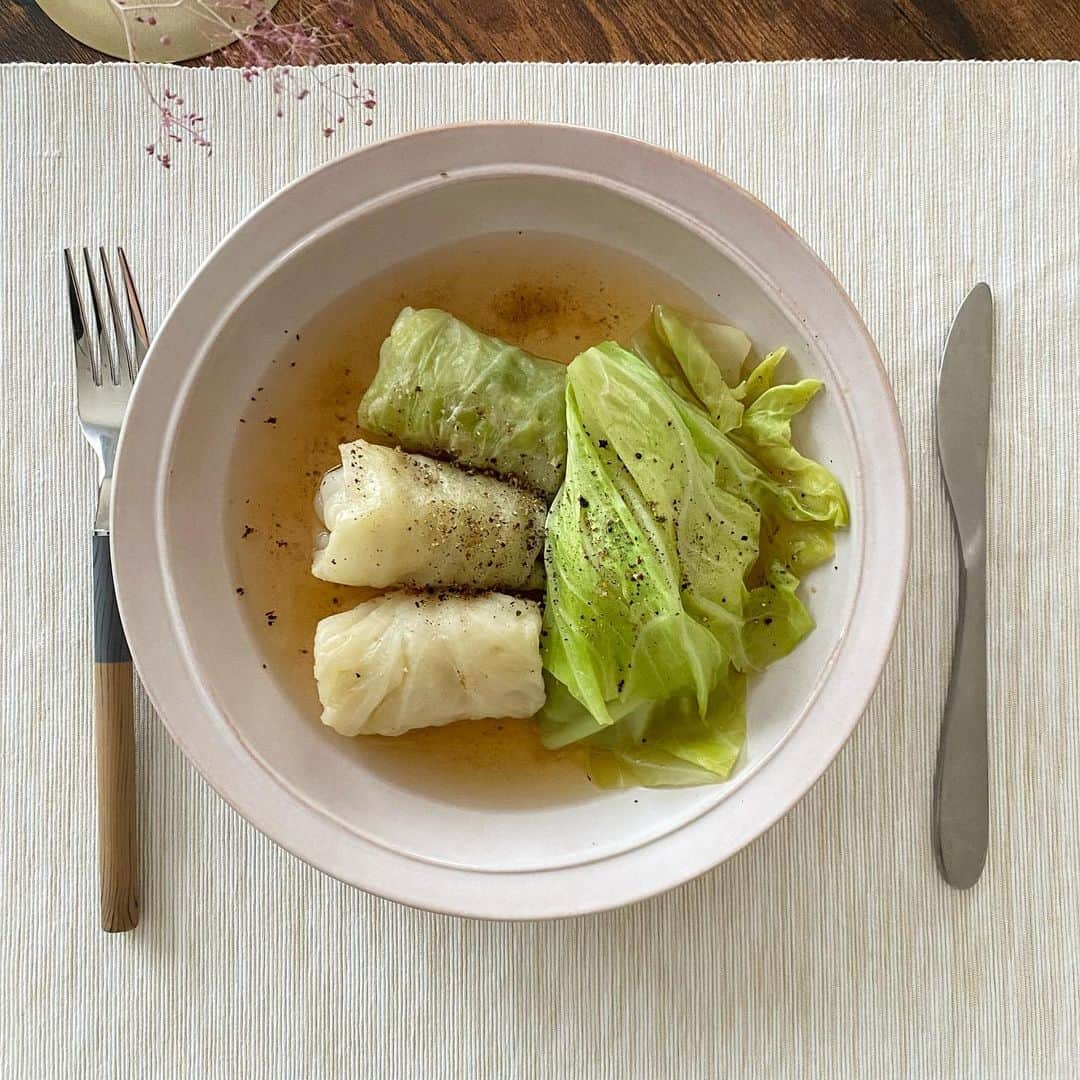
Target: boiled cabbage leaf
<point x="674" y="550"/>
<point x="695" y="358"/>
<point x="765" y="434"/>
<point x="646" y="559"/>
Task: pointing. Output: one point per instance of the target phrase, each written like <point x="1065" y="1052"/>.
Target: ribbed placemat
<point x="829" y="948"/>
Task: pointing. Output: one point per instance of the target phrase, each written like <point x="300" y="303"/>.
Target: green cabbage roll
<point x="445" y="389"/>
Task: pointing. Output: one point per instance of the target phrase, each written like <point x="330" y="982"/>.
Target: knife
<point x="961" y="785"/>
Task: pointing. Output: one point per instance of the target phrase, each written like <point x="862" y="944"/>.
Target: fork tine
<point x="120" y="337"/>
<point x="138" y="323"/>
<point x="84" y="357"/>
<point x="104" y="351"/>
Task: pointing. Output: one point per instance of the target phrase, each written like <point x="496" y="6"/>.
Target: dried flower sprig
<point x="267" y="49"/>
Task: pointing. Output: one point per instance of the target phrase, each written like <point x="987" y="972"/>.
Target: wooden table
<point x="650" y="30"/>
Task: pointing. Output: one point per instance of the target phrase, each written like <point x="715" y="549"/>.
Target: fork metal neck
<point x="104" y="505"/>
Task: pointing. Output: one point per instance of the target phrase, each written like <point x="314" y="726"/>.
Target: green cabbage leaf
<point x="674" y="550"/>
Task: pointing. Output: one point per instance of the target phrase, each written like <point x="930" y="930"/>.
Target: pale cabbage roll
<point x="403" y="519"/>
<point x="408" y="660"/>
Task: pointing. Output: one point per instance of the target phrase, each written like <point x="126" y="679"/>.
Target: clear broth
<point x="554" y="296"/>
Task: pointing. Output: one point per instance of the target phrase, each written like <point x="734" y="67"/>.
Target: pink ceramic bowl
<point x="576" y="849"/>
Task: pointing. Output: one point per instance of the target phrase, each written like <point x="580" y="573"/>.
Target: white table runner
<point x="829" y="948"/>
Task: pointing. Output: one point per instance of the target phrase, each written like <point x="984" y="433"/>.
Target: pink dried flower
<point x="264" y="45"/>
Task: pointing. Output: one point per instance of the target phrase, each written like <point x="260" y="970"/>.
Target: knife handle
<point x="114" y="728"/>
<point x="961" y="783"/>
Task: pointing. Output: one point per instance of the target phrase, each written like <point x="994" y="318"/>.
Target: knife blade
<point x="961" y="815"/>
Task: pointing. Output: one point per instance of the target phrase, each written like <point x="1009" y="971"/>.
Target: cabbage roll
<point x="443" y="388"/>
<point x="401" y="519"/>
<point x="409" y="660"/>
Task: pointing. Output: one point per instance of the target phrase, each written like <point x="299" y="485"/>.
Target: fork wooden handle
<point x="114" y="726"/>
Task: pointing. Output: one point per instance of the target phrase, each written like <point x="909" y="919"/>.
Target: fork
<point x="104" y="380"/>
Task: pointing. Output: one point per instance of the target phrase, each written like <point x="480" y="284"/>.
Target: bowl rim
<point x="287" y="816"/>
